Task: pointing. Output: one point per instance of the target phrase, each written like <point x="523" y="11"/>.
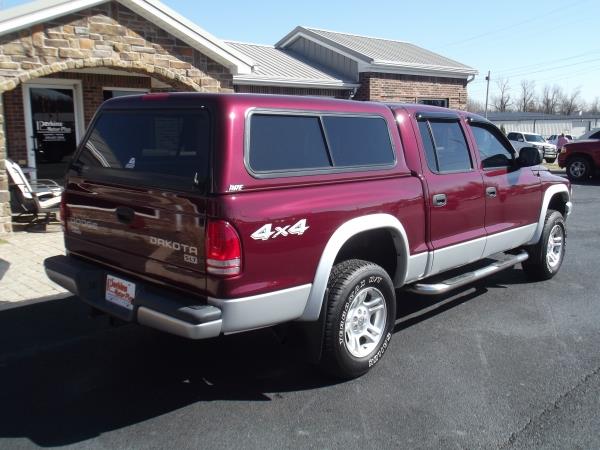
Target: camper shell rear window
<point x="163" y="148"/>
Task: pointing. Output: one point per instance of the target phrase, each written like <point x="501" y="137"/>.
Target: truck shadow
<point x="67" y="378"/>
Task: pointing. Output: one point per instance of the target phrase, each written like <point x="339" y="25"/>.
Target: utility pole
<point x="487" y="93"/>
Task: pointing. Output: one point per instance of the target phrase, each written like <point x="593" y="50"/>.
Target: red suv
<point x="203" y="215"/>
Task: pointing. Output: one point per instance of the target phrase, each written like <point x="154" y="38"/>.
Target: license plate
<point x="120" y="292"/>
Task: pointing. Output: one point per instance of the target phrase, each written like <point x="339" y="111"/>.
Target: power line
<point x="514" y="25"/>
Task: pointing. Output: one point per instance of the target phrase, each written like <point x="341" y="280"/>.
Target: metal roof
<point x="279" y="66"/>
<point x="378" y="51"/>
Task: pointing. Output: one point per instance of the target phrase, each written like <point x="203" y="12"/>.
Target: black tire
<point x="538" y="267"/>
<point x="579" y="169"/>
<point x="550" y="160"/>
<point x="349" y="281"/>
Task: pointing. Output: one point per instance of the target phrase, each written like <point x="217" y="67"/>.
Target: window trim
<point x="319" y="114"/>
<point x="443" y="117"/>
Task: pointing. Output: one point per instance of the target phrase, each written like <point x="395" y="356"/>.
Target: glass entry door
<point x="53" y="129"/>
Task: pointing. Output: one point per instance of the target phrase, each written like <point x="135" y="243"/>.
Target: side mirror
<point x="529" y="156"/>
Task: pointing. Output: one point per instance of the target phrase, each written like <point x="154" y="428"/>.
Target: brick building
<point x="59" y="60"/>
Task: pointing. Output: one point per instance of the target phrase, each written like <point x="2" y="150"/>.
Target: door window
<point x="492" y="150"/>
<point x="53" y="125"/>
<point x="445" y="146"/>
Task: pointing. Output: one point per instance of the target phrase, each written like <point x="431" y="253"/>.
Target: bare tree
<point x="570" y="103"/>
<point x="526" y="100"/>
<point x="501" y="102"/>
<point x="474" y="106"/>
<point x="594" y="106"/>
<point x="550" y="99"/>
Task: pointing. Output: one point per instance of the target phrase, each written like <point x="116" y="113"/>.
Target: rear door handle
<point x="125" y="215"/>
<point x="491" y="191"/>
<point x="440" y="200"/>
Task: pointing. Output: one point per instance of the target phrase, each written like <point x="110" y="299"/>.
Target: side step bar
<point x="469" y="277"/>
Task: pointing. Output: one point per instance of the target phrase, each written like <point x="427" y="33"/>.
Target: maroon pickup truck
<point x="203" y="215"/>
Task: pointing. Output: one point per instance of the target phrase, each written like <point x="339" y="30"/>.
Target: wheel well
<point x="559" y="203"/>
<point x="580" y="155"/>
<point x="376" y="246"/>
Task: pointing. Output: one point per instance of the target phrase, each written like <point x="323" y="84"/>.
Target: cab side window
<point x="492" y="149"/>
<point x="445" y="146"/>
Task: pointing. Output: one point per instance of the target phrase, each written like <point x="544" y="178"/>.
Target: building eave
<point x="152" y="10"/>
<point x="287" y="82"/>
<point x="417" y="69"/>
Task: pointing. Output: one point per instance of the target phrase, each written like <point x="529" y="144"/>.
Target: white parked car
<point x="519" y="140"/>
<point x="594" y="133"/>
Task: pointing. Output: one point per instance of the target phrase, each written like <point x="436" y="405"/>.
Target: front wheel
<point x="578" y="169"/>
<point x="361" y="313"/>
<point x="546" y="257"/>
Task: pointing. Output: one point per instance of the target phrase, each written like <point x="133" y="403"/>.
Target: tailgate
<point x="135" y="196"/>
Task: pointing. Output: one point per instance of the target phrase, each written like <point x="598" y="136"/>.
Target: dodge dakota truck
<point x="209" y="214"/>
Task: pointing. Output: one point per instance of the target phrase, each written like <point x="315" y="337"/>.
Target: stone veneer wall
<point x="107" y="35"/>
<point x="410" y="88"/>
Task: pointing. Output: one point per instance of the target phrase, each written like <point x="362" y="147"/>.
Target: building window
<point x="116" y="92"/>
<point x="443" y="102"/>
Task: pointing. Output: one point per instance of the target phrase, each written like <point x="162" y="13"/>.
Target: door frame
<point x="58" y="83"/>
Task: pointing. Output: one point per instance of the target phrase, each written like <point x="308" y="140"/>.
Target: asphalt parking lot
<point x="502" y="364"/>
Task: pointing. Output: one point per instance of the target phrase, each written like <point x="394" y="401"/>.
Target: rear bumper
<point x="162" y="309"/>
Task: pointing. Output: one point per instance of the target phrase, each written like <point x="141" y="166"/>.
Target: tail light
<point x="64" y="212"/>
<point x="223" y="249"/>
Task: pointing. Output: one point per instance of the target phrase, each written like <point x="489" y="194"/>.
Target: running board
<point x="469" y="277"/>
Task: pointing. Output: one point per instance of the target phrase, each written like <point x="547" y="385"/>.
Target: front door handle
<point x="491" y="192"/>
<point x="440" y="200"/>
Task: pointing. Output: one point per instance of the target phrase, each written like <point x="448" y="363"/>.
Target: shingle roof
<point x="280" y="65"/>
<point x="381" y="51"/>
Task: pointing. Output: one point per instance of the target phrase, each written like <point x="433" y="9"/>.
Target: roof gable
<point x="375" y="54"/>
<point x="40" y="11"/>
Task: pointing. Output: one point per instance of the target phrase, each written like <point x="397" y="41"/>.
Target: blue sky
<point x="549" y="42"/>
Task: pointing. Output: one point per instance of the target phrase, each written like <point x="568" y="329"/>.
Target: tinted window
<point x="534" y="138"/>
<point x="358" y="141"/>
<point x="443" y="102"/>
<point x="445" y="146"/>
<point x="162" y="148"/>
<point x="595" y="135"/>
<point x="450" y="146"/>
<point x="512" y="136"/>
<point x="491" y="149"/>
<point x="280" y="142"/>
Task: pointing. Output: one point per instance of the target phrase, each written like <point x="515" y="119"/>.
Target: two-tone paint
<point x="285" y="278"/>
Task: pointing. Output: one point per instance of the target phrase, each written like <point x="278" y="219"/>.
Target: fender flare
<point x="346" y="231"/>
<point x="551" y="192"/>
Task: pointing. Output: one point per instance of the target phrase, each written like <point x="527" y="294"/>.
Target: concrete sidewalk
<point x="22" y="254"/>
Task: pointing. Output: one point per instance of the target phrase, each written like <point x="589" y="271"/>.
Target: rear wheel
<point x="550" y="160"/>
<point x="546" y="257"/>
<point x="361" y="312"/>
<point x="578" y="169"/>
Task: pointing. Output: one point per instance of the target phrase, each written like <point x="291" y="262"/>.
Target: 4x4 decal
<point x="266" y="231"/>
